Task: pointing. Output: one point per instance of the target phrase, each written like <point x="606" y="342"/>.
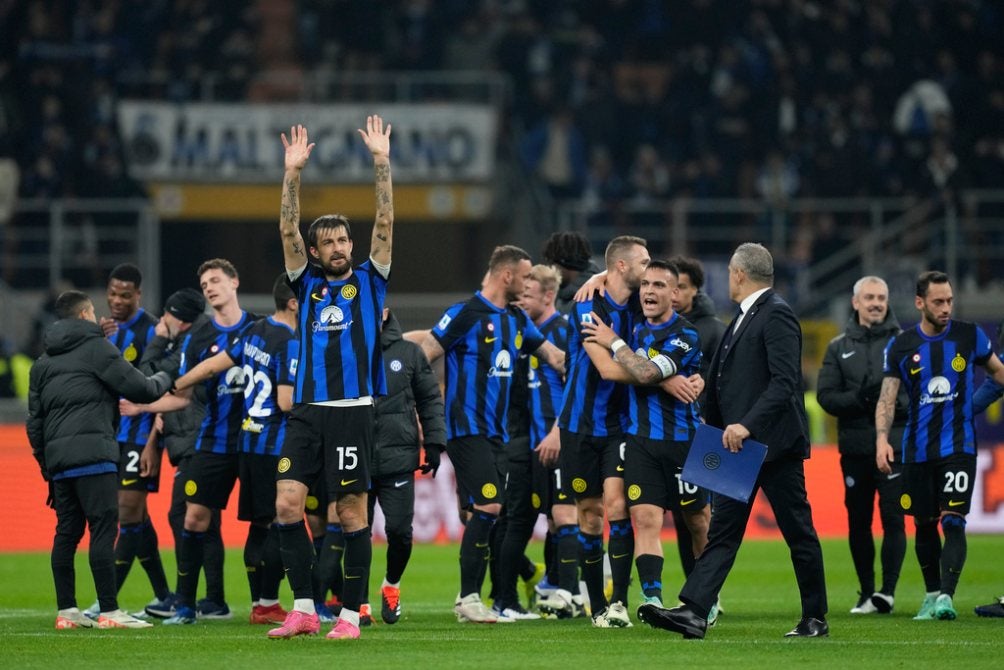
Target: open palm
<point x="376" y="136"/>
<point x="297" y="148"/>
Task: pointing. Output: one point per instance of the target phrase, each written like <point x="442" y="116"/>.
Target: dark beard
<point x="331" y="273"/>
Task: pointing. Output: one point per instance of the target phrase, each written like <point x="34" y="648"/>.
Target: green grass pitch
<point x="759" y="599"/>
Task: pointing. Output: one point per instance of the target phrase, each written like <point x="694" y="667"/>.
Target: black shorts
<point x="481" y="465"/>
<point x="210" y="479"/>
<point x="335" y="443"/>
<point x="652" y="475"/>
<point x="935" y="486"/>
<point x="129" y="479"/>
<point x="545" y="486"/>
<point x="316" y="503"/>
<point x="587" y="461"/>
<point x="558" y="495"/>
<point x="256" y="500"/>
<point x="521" y="500"/>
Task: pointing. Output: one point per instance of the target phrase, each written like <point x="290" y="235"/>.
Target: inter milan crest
<point x="958" y="363"/>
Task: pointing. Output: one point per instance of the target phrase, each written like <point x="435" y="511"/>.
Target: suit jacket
<point x="756" y="380"/>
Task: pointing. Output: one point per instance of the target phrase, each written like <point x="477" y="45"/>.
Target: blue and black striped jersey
<point x="675" y="347"/>
<point x="591" y="405"/>
<point x="545" y="384"/>
<point x="482" y="343"/>
<point x="224" y="393"/>
<point x="268" y="355"/>
<point x="131" y="339"/>
<point x="339" y="333"/>
<point x="937" y="373"/>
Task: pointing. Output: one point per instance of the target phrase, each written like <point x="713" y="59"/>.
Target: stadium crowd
<point x="646" y="99"/>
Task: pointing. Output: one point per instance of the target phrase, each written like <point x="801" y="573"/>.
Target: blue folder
<point x="710" y="465"/>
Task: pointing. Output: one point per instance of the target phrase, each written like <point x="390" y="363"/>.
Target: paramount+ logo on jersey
<point x="234" y="382"/>
<point x="503" y="365"/>
<point x="939" y="390"/>
<point x="331" y="318"/>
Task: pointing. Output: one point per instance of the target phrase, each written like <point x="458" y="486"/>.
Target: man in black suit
<point x="754" y="391"/>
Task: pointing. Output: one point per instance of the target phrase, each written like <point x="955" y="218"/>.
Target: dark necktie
<point x="730" y="331"/>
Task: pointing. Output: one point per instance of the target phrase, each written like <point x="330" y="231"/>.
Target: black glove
<point x="50" y="500"/>
<point x="433" y="453"/>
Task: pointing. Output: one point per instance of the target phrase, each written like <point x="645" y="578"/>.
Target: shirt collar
<point x="752" y="298"/>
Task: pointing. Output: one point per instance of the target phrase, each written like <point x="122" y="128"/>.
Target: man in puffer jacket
<point x="72" y="421"/>
<point x="848" y="388"/>
<point x="411" y="385"/>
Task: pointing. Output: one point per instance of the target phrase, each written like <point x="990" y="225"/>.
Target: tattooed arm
<point x="553" y="356"/>
<point x="432" y="349"/>
<point x="884" y="413"/>
<point x="640" y="370"/>
<point x="297" y="153"/>
<point x="377" y="139"/>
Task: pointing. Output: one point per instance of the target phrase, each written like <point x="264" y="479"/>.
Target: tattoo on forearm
<point x="636" y="365"/>
<point x="886" y="407"/>
<point x="290" y="210"/>
<point x="382" y="172"/>
<point x="883" y="418"/>
<point x="384" y="199"/>
<point x="382" y="238"/>
<point x="289" y="217"/>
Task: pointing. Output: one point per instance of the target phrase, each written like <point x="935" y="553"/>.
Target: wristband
<point x="617" y="345"/>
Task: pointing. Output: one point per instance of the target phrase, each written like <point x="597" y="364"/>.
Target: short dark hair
<point x="925" y="280"/>
<point x="619" y="245"/>
<point x="668" y="266"/>
<point x="690" y="267"/>
<point x="506" y="254"/>
<point x="217" y="264"/>
<point x="70" y="303"/>
<point x="127" y="272"/>
<point x="281" y="292"/>
<point x="568" y="249"/>
<point x="325" y="222"/>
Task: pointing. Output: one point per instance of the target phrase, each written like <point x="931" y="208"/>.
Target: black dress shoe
<point x="681" y="619"/>
<point x="810" y="627"/>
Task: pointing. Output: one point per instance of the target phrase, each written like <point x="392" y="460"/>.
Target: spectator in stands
<point x="555" y="150"/>
<point x="852" y="94"/>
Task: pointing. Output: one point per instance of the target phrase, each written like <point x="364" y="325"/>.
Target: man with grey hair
<point x="754" y="391"/>
<point x="848" y="388"/>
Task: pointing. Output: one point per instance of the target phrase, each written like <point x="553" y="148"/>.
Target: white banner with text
<point x="430" y="143"/>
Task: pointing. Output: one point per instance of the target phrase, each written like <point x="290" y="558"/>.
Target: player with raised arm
<point x="330" y="431"/>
